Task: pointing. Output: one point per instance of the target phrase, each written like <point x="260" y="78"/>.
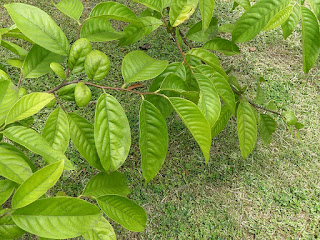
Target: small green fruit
<point x="291" y="119"/>
<point x="82" y="94"/>
<point x="51" y="103"/>
<point x="22" y="92"/>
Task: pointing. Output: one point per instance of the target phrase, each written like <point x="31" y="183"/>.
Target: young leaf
<point x="310" y="38"/>
<point x="222" y="45"/>
<point x="78" y="52"/>
<point x="138" y="66"/>
<point x="256" y="18"/>
<point x="123" y="211"/>
<point x="33" y="141"/>
<point x="267" y="126"/>
<point x="102" y="230"/>
<point x="82" y="94"/>
<point x="6" y="189"/>
<point x="8" y="229"/>
<point x="278" y="19"/>
<point x="99" y="29"/>
<point x="153" y="140"/>
<point x="39" y="27"/>
<point x="28" y="106"/>
<point x="58" y="69"/>
<point x="292" y="21"/>
<point x="82" y="135"/>
<point x="16" y="49"/>
<point x="71" y="8"/>
<point x="60" y="217"/>
<point x="247" y="128"/>
<point x="114" y="10"/>
<point x="37" y="185"/>
<point x="197" y="124"/>
<point x="15" y="62"/>
<point x="222" y="121"/>
<point x="13" y="166"/>
<point x="107" y="184"/>
<point x="8" y="96"/>
<point x="206" y="9"/>
<point x="260" y="97"/>
<point x="181" y="10"/>
<point x="111" y="132"/>
<point x="56" y="130"/>
<point x="315" y="5"/>
<point x="244" y="3"/>
<point x="196" y="33"/>
<point x="37" y="62"/>
<point x="67" y="92"/>
<point x="96" y="65"/>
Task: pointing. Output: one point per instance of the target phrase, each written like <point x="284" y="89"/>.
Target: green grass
<point x="274" y="194"/>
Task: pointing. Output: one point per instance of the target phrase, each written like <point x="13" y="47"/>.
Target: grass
<point x="274" y="194"/>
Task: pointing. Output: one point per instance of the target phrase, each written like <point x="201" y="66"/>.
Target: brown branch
<point x="20" y="79"/>
<point x="184" y="39"/>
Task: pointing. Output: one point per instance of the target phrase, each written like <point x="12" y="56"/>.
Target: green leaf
<point x="181" y="10"/>
<point x="226" y="28"/>
<point x="13" y="166"/>
<point x="315" y="5"/>
<point x="67" y="92"/>
<point x="123" y="211"/>
<point x="27" y="106"/>
<point x="6" y="189"/>
<point x="39" y="27"/>
<point x="37" y="62"/>
<point x="99" y="29"/>
<point x="153" y="4"/>
<point x="244" y="3"/>
<point x="267" y="126"/>
<point x="56" y="130"/>
<point x="222" y="45"/>
<point x="114" y="10"/>
<point x="292" y="21"/>
<point x="197" y="124"/>
<point x="221" y="85"/>
<point x="8" y="96"/>
<point x="101" y="231"/>
<point x="114" y="183"/>
<point x="247" y="128"/>
<point x="279" y="18"/>
<point x="37" y="185"/>
<point x="71" y="8"/>
<point x="206" y="9"/>
<point x="222" y="121"/>
<point x="8" y="229"/>
<point x="197" y="34"/>
<point x="15" y="62"/>
<point x="58" y="69"/>
<point x="82" y="94"/>
<point x="209" y="102"/>
<point x="310" y="38"/>
<point x="260" y="97"/>
<point x="111" y="133"/>
<point x="33" y="141"/>
<point x="78" y="52"/>
<point x="14" y="48"/>
<point x="138" y="66"/>
<point x="82" y="135"/>
<point x="256" y="18"/>
<point x="60" y="217"/>
<point x="96" y="65"/>
<point x="153" y="140"/>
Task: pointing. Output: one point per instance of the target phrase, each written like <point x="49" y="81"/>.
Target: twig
<point x="184" y="39"/>
<point x="20" y="79"/>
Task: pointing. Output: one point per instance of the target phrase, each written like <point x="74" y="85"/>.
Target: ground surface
<point x="274" y="194"/>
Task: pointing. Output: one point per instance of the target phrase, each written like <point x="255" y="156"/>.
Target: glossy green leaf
<point x="102" y="230"/>
<point x="292" y="21"/>
<point x="58" y="69"/>
<point x="16" y="49"/>
<point x="6" y="189"/>
<point x="181" y="10"/>
<point x="8" y="229"/>
<point x="99" y="29"/>
<point x="67" y="92"/>
<point x="114" y="183"/>
<point x="15" y="33"/>
<point x="37" y="185"/>
<point x="153" y="4"/>
<point x="196" y="122"/>
<point x="222" y="45"/>
<point x="315" y="5"/>
<point x="114" y="10"/>
<point x="78" y="52"/>
<point x="37" y="62"/>
<point x="226" y="28"/>
<point x="267" y="126"/>
<point x="153" y="140"/>
<point x="209" y="102"/>
<point x="27" y="106"/>
<point x="247" y="127"/>
<point x="60" y="217"/>
<point x="256" y="18"/>
<point x="111" y="132"/>
<point x="13" y="167"/>
<point x="39" y="27"/>
<point x="196" y="33"/>
<point x="138" y="66"/>
<point x="82" y="94"/>
<point x="56" y="130"/>
<point x="96" y="65"/>
<point x="15" y="62"/>
<point x="222" y="121"/>
<point x="33" y="141"/>
<point x="310" y="38"/>
<point x="244" y="3"/>
<point x="71" y="8"/>
<point x="8" y="96"/>
<point x="82" y="135"/>
<point x="123" y="211"/>
<point x="206" y="9"/>
<point x="279" y="18"/>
